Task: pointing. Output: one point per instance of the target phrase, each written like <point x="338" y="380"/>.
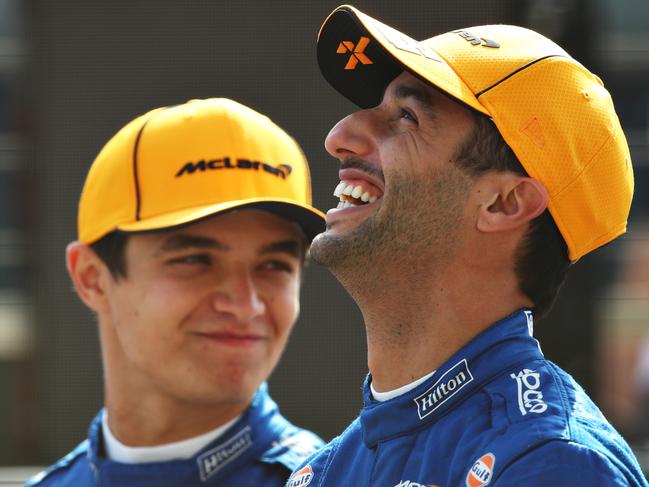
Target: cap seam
<point x="136" y="179"/>
<point x="531" y="63"/>
<point x="554" y="197"/>
<point x="586" y="166"/>
<point x="617" y="231"/>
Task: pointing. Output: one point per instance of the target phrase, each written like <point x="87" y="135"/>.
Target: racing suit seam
<point x="563" y="395"/>
<point x="334" y="448"/>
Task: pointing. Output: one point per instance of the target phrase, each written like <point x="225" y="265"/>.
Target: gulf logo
<point x="301" y="478"/>
<point x="482" y="471"/>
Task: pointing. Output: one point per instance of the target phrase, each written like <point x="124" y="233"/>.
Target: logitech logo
<point x="530" y="398"/>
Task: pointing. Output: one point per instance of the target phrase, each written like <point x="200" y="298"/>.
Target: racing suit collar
<point x="504" y="345"/>
<point x="258" y="427"/>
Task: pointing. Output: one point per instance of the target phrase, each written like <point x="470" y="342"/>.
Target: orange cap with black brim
<point x="555" y="114"/>
<point x="177" y="165"/>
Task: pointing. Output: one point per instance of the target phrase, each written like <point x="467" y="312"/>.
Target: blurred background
<point x="72" y="72"/>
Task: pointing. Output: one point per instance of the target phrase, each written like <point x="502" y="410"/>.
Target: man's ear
<point x="513" y="202"/>
<point x="89" y="275"/>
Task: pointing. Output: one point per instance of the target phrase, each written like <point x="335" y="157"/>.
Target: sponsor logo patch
<point x="357" y="52"/>
<point x="215" y="459"/>
<point x="301" y="478"/>
<point x="405" y="43"/>
<point x="410" y="483"/>
<point x="281" y="170"/>
<point x="481" y="472"/>
<point x="448" y="385"/>
<point x="530" y="398"/>
<point x="475" y="40"/>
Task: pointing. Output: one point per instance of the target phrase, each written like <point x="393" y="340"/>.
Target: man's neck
<point x="414" y="325"/>
<point x="150" y="423"/>
<point x="117" y="451"/>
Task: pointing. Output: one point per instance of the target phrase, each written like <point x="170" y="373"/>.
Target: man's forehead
<point x="428" y="97"/>
<point x="229" y="230"/>
<point x="408" y="85"/>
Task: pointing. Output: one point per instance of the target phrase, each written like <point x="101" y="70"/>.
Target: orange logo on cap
<point x="482" y="471"/>
<point x="358" y="52"/>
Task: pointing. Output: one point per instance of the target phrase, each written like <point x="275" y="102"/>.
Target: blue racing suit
<point x="496" y="413"/>
<point x="260" y="449"/>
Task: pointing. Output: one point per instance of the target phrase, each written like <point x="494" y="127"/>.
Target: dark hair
<point x="542" y="257"/>
<point x="111" y="249"/>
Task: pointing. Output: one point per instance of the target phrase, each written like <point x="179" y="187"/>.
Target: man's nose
<point x="238" y="296"/>
<point x="352" y="136"/>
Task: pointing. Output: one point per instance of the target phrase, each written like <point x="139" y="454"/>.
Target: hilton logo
<point x="215" y="459"/>
<point x="448" y="384"/>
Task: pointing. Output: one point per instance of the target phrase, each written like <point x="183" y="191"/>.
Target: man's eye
<point x="277" y="265"/>
<point x="194" y="259"/>
<point x="408" y="115"/>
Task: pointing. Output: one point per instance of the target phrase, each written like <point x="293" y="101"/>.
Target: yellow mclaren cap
<point x="555" y="114"/>
<point x="176" y="165"/>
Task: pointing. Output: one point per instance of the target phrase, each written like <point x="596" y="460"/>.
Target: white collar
<point x="179" y="450"/>
<point x="384" y="396"/>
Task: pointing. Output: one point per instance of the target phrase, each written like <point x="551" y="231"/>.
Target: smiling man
<point x="194" y="222"/>
<point x="483" y="162"/>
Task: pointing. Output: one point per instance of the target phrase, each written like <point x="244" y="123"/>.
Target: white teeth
<point x="356" y="192"/>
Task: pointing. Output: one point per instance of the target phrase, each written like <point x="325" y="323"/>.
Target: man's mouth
<point x="232" y="339"/>
<point x="356" y="192"/>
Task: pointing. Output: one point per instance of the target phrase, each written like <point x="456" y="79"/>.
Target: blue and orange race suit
<point x="260" y="449"/>
<point x="496" y="413"/>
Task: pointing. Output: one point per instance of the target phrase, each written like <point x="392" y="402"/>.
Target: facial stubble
<point x="416" y="226"/>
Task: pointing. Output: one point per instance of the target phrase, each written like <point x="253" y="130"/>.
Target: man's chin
<point x="338" y="247"/>
<point x="324" y="248"/>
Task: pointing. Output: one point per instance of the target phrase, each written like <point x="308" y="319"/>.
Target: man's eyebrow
<point x="423" y="97"/>
<point x="290" y="247"/>
<point x="180" y="242"/>
<point x="184" y="241"/>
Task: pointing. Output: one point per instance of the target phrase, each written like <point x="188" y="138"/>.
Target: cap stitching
<point x="568" y="185"/>
<point x="596" y="242"/>
<point x="136" y="179"/>
<point x="477" y="95"/>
